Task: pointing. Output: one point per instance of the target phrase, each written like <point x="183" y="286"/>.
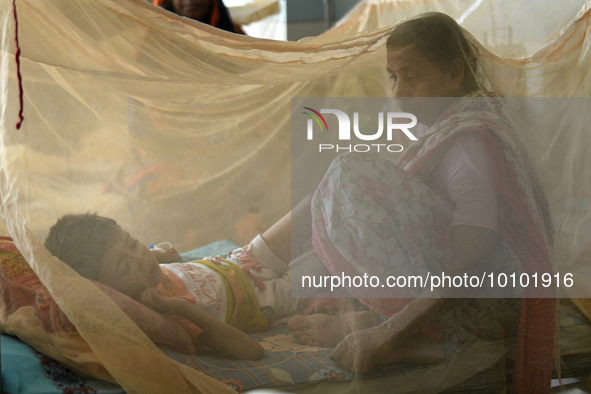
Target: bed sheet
<point x="296" y="368"/>
<point x="469" y="368"/>
<point x="289" y="366"/>
<point x="292" y="367"/>
<point x="218" y="248"/>
<point x="285" y="363"/>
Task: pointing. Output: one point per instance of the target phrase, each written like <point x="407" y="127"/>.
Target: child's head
<point x="98" y="248"/>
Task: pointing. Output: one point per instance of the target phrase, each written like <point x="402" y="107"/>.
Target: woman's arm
<point x="359" y="351"/>
<point x="217" y="335"/>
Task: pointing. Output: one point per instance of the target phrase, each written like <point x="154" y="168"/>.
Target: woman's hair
<point x="81" y="241"/>
<point x="441" y="40"/>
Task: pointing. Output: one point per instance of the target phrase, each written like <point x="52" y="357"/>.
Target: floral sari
<point x="373" y="217"/>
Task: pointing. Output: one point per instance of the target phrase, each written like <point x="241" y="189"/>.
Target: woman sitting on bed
<point x="463" y="199"/>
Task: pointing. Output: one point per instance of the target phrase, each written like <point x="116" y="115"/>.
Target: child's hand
<point x="217" y="335"/>
<point x="164" y="305"/>
<point x="170" y="255"/>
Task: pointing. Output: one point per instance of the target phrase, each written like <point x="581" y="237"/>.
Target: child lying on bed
<point x="220" y="296"/>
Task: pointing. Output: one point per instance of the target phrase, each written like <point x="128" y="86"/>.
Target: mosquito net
<point x="181" y="133"/>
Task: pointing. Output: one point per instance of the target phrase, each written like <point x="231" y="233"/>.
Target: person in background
<point x="463" y="199"/>
<point x="211" y="12"/>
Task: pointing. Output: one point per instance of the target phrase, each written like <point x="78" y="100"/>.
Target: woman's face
<point x="195" y="9"/>
<point x="413" y="76"/>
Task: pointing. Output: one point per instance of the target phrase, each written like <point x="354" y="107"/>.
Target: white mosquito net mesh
<point x="181" y="133"/>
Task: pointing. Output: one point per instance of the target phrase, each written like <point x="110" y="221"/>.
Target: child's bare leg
<point x="279" y="236"/>
<point x="329" y="330"/>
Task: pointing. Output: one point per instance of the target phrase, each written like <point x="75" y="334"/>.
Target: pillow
<point x="20" y="287"/>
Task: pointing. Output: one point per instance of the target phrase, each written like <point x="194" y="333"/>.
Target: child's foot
<point x="327" y="330"/>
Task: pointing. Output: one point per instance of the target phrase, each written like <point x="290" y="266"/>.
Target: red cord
<point x="18" y="68"/>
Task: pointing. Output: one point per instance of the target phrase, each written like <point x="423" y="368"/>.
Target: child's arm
<point x="166" y="257"/>
<point x="217" y="335"/>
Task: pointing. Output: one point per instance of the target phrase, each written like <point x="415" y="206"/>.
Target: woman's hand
<point x="361" y="350"/>
<point x="393" y="340"/>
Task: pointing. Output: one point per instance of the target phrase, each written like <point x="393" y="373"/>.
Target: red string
<point x="18" y="68"/>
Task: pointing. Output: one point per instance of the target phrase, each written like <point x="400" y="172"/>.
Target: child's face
<point x="129" y="266"/>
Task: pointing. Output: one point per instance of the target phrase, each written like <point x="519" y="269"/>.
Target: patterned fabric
<point x="371" y="216"/>
<point x="285" y="363"/>
<point x="405" y="228"/>
<point x="62" y="378"/>
<point x="365" y="211"/>
<point x="527" y="224"/>
<point x="218" y="248"/>
<point x="525" y="221"/>
<point x="196" y="283"/>
<point x="242" y="308"/>
<point x="26" y="371"/>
